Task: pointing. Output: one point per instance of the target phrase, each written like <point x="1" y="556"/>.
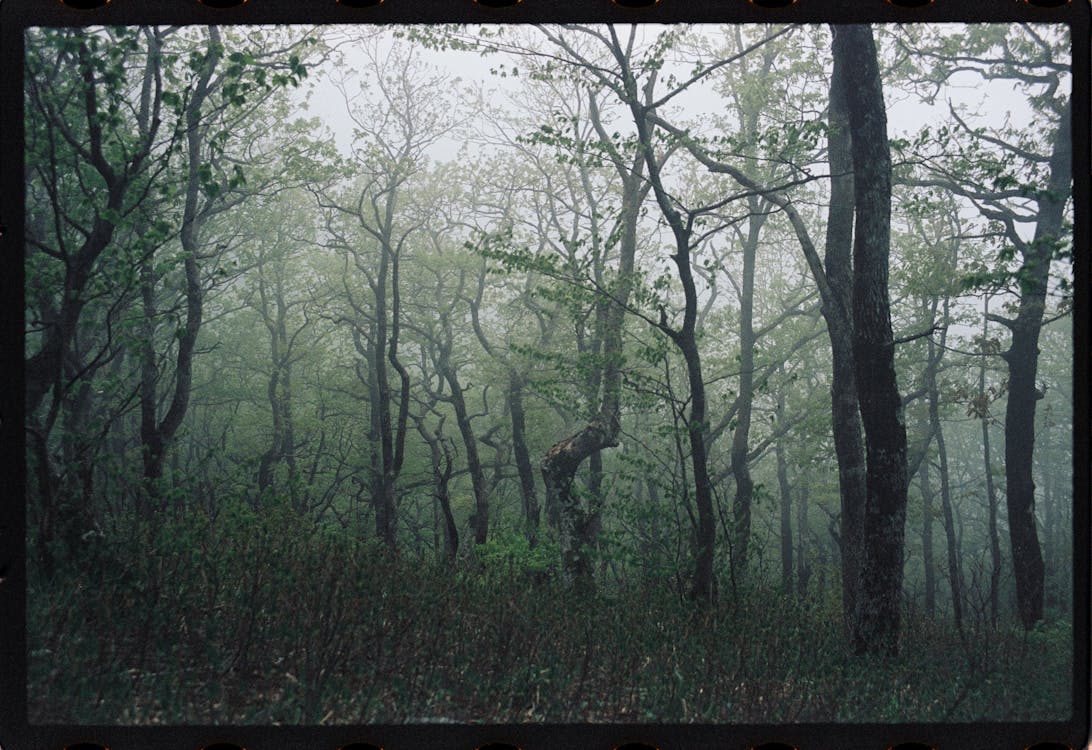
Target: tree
<point x="562" y="460"/>
<point x="641" y="103"/>
<point x="229" y="88"/>
<point x="75" y="100"/>
<point x="155" y="433"/>
<point x="370" y="217"/>
<point x="448" y="370"/>
<point x="517" y="381"/>
<point x="980" y="407"/>
<point x="1022" y="358"/>
<point x="578" y="525"/>
<point x="1012" y="182"/>
<point x="90" y="158"/>
<point x="833" y="276"/>
<point x="877" y="615"/>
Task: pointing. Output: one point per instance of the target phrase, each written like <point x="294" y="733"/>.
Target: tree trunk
<point x="365" y="349"/>
<point x="786" y="504"/>
<point x="704" y="586"/>
<point x="562" y="460"/>
<point x="558" y="472"/>
<point x="838" y="313"/>
<point x="441" y="473"/>
<point x="876" y="625"/>
<point x="955" y="575"/>
<point x="740" y="470"/>
<point x="1022" y="358"/>
<point x="803" y="570"/>
<point x="479" y="521"/>
<point x="392" y="434"/>
<point x="443" y="496"/>
<point x="531" y="512"/>
<point x="927" y="496"/>
<point x="150" y="439"/>
<point x="157" y="436"/>
<point x="275" y="392"/>
<point x="991" y="500"/>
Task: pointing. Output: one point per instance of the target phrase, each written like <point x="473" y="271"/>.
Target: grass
<point x="257" y="621"/>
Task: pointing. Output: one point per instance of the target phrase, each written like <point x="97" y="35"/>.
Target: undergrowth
<point x="262" y="619"/>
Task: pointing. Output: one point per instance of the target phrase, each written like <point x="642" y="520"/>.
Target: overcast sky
<point x="996" y="101"/>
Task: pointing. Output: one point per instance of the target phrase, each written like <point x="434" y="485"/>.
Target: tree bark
<point x="441" y="473"/>
<point x="876" y="624"/>
<point x="480" y="519"/>
<point x="443" y="497"/>
<point x="278" y="390"/>
<point x="744" y="494"/>
<point x="392" y="433"/>
<point x="786" y="502"/>
<point x="531" y="511"/>
<point x="982" y="410"/>
<point x="927" y="558"/>
<point x="838" y="313"/>
<point x="1022" y="358"/>
<point x="955" y="574"/>
<point x="803" y="570"/>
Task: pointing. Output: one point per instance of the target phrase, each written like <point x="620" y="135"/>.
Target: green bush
<point x="512" y="554"/>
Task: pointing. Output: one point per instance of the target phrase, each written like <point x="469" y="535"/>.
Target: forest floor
<point x="215" y="625"/>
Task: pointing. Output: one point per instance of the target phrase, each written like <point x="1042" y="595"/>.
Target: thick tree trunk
<point x="1022" y="358"/>
<point x="838" y="313"/>
<point x="272" y="455"/>
<point x="275" y="324"/>
<point x="392" y="434"/>
<point x="876" y="625"/>
<point x="383" y="520"/>
<point x="384" y="496"/>
<point x="443" y="497"/>
<point x="704" y="585"/>
<point x="558" y="472"/>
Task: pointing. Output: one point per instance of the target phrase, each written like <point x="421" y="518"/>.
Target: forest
<point x="572" y="373"/>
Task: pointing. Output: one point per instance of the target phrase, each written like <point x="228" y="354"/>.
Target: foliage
<point x="509" y="555"/>
<point x="254" y="619"/>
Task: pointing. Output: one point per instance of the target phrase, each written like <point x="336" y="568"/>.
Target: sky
<point x="906" y="115"/>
